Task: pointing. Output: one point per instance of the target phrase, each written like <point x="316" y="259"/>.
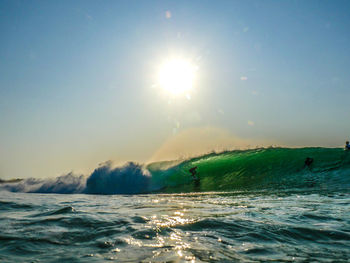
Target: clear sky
<point x="79" y="80"/>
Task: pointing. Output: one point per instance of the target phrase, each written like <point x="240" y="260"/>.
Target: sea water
<point x="192" y="227"/>
<point x="258" y="205"/>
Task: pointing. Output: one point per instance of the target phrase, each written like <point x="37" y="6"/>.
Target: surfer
<point x="308" y="161"/>
<point x="193" y="172"/>
<point x="347" y="145"/>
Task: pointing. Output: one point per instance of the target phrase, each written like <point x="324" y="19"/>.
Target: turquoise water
<point x="258" y="205"/>
<point x="280" y="168"/>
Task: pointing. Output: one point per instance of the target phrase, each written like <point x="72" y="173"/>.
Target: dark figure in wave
<point x="347" y="145"/>
<point x="308" y="162"/>
<point x="195" y="178"/>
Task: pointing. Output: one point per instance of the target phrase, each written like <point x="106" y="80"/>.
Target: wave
<point x="266" y="168"/>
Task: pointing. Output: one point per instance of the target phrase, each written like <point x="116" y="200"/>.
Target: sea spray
<point x="65" y="184"/>
<point x="128" y="179"/>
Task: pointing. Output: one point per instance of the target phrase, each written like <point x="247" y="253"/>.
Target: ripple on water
<point x="204" y="228"/>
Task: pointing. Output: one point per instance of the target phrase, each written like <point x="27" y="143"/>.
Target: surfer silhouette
<point x="193" y="172"/>
<point x="308" y="162"/>
<point x="347" y="145"/>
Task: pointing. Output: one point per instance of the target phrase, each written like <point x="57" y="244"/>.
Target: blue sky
<point x="77" y="78"/>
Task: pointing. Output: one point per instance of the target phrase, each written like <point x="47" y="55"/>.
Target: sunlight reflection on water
<point x="176" y="227"/>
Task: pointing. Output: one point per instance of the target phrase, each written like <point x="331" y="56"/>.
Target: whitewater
<point x="258" y="205"/>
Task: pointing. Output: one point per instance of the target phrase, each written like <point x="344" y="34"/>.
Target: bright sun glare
<point x="176" y="76"/>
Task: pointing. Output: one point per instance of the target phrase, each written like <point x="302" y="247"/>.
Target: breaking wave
<point x="271" y="168"/>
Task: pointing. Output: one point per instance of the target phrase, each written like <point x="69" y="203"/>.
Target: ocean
<point x="260" y="205"/>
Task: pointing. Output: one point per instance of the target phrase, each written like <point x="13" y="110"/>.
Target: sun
<point x="176" y="76"/>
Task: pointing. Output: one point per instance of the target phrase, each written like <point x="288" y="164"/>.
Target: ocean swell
<point x="271" y="168"/>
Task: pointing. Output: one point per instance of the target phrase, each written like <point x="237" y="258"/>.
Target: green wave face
<point x="280" y="168"/>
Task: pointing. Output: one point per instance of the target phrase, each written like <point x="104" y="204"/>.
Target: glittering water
<point x="202" y="227"/>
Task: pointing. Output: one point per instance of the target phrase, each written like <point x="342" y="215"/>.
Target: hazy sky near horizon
<point x="78" y="79"/>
